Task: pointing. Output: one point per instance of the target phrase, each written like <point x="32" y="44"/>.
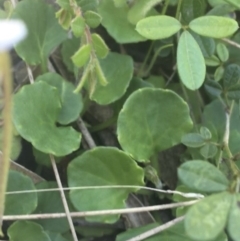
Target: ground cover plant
<point x="124" y="121"/>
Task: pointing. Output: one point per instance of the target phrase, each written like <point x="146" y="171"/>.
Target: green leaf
<point x="212" y="61"/>
<point x="231" y="75"/>
<point x="119" y="3"/>
<point x="233" y="219"/>
<point x="17" y="204"/>
<point x="221" y="10"/>
<point x="140" y="9"/>
<point x="213" y="87"/>
<point x="161" y="120"/>
<point x="192" y="9"/>
<point x="190" y="61"/>
<point x="202" y="176"/>
<point x="78" y="26"/>
<point x="103" y="166"/>
<point x="100" y="75"/>
<point x="41" y="129"/>
<point x="158" y="27"/>
<point x="51" y="202"/>
<point x="116" y="23"/>
<point x="222" y="52"/>
<point x="218" y="74"/>
<point x="214" y="26"/>
<point x="81" y="57"/>
<point x="87" y="5"/>
<point x="209" y="150"/>
<point x="92" y="19"/>
<point x="207" y="45"/>
<point x="234" y="92"/>
<point x="71" y="103"/>
<point x="44" y="32"/>
<point x="43" y="158"/>
<point x="193" y="140"/>
<point x="27" y="231"/>
<point x="214" y="3"/>
<point x="118" y="71"/>
<point x="64" y="4"/>
<point x="64" y="18"/>
<point x="100" y="47"/>
<point x="210" y="215"/>
<point x="205" y="133"/>
<point x="235" y="3"/>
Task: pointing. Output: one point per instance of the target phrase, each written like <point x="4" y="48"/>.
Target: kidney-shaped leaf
<point x="100" y="167"/>
<point x="206" y="219"/>
<point x="44" y="32"/>
<point x="35" y="112"/>
<point x="190" y="62"/>
<point x="27" y="231"/>
<point x="20" y="203"/>
<point x="71" y="102"/>
<point x="118" y="71"/>
<point x="234" y="217"/>
<point x="152" y="120"/>
<point x="158" y="27"/>
<point x="202" y="176"/>
<point x="214" y="26"/>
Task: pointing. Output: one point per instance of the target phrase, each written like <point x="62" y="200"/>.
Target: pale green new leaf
<point x="81" y="57"/>
<point x="214" y="26"/>
<point x="158" y="27"/>
<point x="190" y="62"/>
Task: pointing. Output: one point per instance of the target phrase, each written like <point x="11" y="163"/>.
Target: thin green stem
<point x="155" y="57"/>
<point x="6" y="80"/>
<point x="146" y="59"/>
<point x="83" y="79"/>
<point x="164" y="10"/>
<point x="178" y="9"/>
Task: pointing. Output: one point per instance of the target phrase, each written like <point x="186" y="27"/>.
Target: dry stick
<point x="231" y="42"/>
<point x="101" y="212"/>
<point x="156" y="230"/>
<point x="63" y="198"/>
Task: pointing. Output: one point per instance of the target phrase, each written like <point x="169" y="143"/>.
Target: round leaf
<point x="35" y="117"/>
<point x="158" y="27"/>
<point x="193" y="140"/>
<point x="234" y="217"/>
<point x="100" y="167"/>
<point x="17" y="204"/>
<point x="116" y="22"/>
<point x="162" y="117"/>
<point x="51" y="202"/>
<point x="81" y="57"/>
<point x="190" y="61"/>
<point x="202" y="176"/>
<point x="71" y="102"/>
<point x="92" y="19"/>
<point x="99" y="46"/>
<point x="118" y="71"/>
<point x="205" y="133"/>
<point x="44" y="32"/>
<point x="214" y="26"/>
<point x="206" y="219"/>
<point x="209" y="150"/>
<point x="27" y="231"/>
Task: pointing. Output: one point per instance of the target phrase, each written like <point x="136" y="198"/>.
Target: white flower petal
<point x="11" y="32"/>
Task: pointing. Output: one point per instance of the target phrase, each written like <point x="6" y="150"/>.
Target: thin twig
<point x="30" y="74"/>
<point x="87" y="136"/>
<point x="156" y="230"/>
<point x="65" y="204"/>
<point x="231" y="42"/>
<point x="98" y="213"/>
<point x="186" y="195"/>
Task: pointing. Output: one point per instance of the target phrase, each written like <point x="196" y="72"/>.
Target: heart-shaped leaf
<point x="20" y="182"/>
<point x="27" y="231"/>
<point x="158" y="27"/>
<point x="190" y="62"/>
<point x="162" y="117"/>
<point x="44" y="32"/>
<point x="116" y="22"/>
<point x="118" y="71"/>
<point x="214" y="26"/>
<point x="71" y="102"/>
<point x="209" y="215"/>
<point x="35" y="112"/>
<point x="100" y="167"/>
<point x="202" y="176"/>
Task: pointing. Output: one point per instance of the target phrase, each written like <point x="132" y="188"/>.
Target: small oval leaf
<point x="193" y="140"/>
<point x="202" y="176"/>
<point x="81" y="57"/>
<point x="100" y="47"/>
<point x="190" y="61"/>
<point x="92" y="19"/>
<point x="78" y="26"/>
<point x="214" y="26"/>
<point x="158" y="27"/>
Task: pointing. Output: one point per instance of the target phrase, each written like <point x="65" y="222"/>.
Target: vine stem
<point x="164" y="10"/>
<point x="6" y="81"/>
<point x="178" y="9"/>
